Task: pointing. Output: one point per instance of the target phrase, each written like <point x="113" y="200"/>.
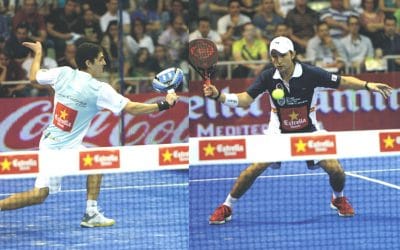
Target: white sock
<point x="337" y="194"/>
<point x="230" y="201"/>
<point x="91" y="206"/>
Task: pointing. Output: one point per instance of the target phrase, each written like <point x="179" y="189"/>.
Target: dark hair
<point x="320" y="23"/>
<point x="390" y="17"/>
<point x="352" y="16"/>
<point x="203" y="19"/>
<point x="86" y="51"/>
<point x="234" y="1"/>
<point x="376" y="4"/>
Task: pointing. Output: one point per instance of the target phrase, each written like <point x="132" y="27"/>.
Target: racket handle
<point x="207" y="81"/>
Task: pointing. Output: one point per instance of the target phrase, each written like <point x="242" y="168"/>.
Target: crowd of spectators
<point x="340" y="35"/>
<point x="154" y="36"/>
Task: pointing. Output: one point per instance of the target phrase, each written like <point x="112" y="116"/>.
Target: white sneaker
<point x="96" y="220"/>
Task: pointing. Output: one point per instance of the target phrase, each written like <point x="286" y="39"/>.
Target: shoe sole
<point x="340" y="214"/>
<point x="229" y="218"/>
<point x="87" y="225"/>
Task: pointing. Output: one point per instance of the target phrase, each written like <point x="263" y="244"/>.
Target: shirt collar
<point x="297" y="72"/>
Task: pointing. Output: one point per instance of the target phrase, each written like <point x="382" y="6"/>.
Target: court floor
<point x="150" y="209"/>
<point x="288" y="208"/>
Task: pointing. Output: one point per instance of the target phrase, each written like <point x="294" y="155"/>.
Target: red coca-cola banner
<point x="337" y="110"/>
<point x="22" y="121"/>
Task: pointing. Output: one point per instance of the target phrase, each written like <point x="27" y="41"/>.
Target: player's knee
<point x="41" y="195"/>
<point x="334" y="168"/>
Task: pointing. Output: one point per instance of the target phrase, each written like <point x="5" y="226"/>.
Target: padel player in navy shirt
<point x="292" y="114"/>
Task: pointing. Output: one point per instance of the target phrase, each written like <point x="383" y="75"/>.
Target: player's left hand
<point x="382" y="88"/>
<point x="35" y="47"/>
<point x="171" y="98"/>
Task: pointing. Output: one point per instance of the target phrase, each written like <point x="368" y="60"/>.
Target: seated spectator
<point x="59" y="26"/>
<point x="138" y="38"/>
<point x="149" y="15"/>
<point x="204" y="31"/>
<point x="143" y="64"/>
<point x="249" y="48"/>
<point x="175" y="38"/>
<point x="388" y="42"/>
<point x="88" y="27"/>
<point x="112" y="15"/>
<point x="249" y="8"/>
<point x="371" y="20"/>
<point x="162" y="58"/>
<point x="229" y="26"/>
<point x="29" y="15"/>
<point x="110" y="43"/>
<point x="10" y="70"/>
<point x="176" y="9"/>
<point x="214" y="9"/>
<point x="14" y="45"/>
<point x="302" y="20"/>
<point x="336" y="17"/>
<point x="355" y="48"/>
<point x="69" y="56"/>
<point x="322" y="50"/>
<point x="266" y="19"/>
<point x="98" y="7"/>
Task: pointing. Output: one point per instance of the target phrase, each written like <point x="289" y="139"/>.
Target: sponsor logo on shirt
<point x="389" y="141"/>
<point x="222" y="149"/>
<point x="18" y="164"/>
<point x="334" y="78"/>
<point x="99" y="159"/>
<point x="294" y="118"/>
<point x="64" y="117"/>
<point x="313" y="145"/>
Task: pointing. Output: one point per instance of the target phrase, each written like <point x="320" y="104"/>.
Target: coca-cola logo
<point x="24" y="119"/>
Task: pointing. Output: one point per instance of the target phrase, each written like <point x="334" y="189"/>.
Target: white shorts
<point x="44" y="180"/>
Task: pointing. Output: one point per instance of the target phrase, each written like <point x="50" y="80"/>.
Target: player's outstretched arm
<point x="37" y="50"/>
<point x="137" y="108"/>
<point x="350" y="82"/>
<point x="232" y="100"/>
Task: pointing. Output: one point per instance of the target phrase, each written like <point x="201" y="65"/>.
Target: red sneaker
<point x="221" y="215"/>
<point x="343" y="206"/>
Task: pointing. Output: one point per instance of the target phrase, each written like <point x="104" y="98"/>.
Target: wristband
<point x="217" y="97"/>
<point x="366" y="86"/>
<point x="231" y="100"/>
<point x="163" y="105"/>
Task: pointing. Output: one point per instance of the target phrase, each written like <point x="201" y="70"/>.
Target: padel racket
<point x="203" y="56"/>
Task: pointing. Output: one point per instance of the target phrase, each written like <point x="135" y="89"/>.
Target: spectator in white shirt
<point x="112" y="14"/>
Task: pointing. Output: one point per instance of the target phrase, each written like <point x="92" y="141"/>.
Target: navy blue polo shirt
<point x="296" y="111"/>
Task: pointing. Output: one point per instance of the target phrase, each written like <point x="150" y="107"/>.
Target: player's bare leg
<point x="93" y="217"/>
<point x="337" y="179"/>
<point x="245" y="180"/>
<point x="32" y="197"/>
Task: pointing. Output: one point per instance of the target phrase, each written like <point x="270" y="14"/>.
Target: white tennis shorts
<point x="44" y="180"/>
